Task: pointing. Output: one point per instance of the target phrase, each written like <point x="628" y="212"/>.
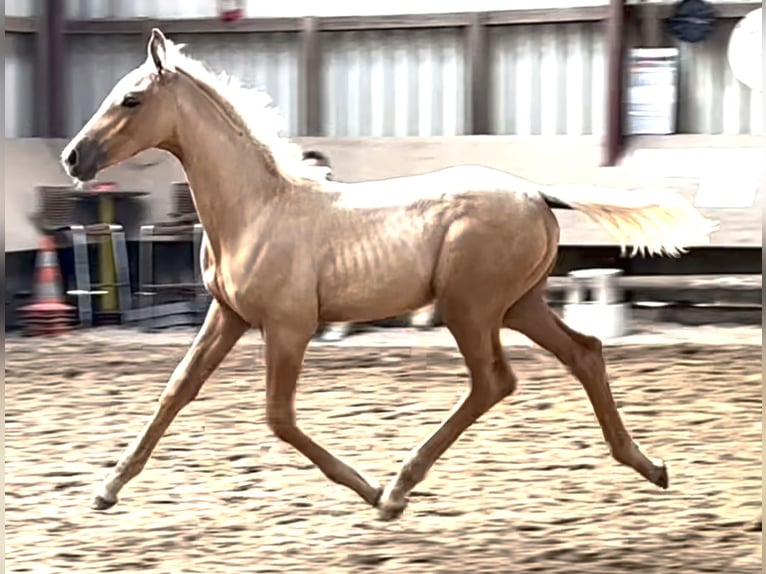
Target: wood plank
<point x="394" y="21"/>
<point x="334" y="23"/>
<point x="479" y="76"/>
<point x="251" y="25"/>
<point x="547" y="15"/>
<point x="650" y="25"/>
<point x="183" y="26"/>
<point x="728" y="10"/>
<point x="20" y="25"/>
<point x="735" y="9"/>
<point x="57" y="71"/>
<point x="42" y="74"/>
<point x="311" y="79"/>
<point x="50" y="70"/>
<point x="614" y="83"/>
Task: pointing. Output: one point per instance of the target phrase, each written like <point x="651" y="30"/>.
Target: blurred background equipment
<point x="169" y="301"/>
<point x="113" y="285"/>
<point x="177" y="303"/>
<point x="745" y="53"/>
<point x="693" y="20"/>
<point x="595" y="303"/>
<point x="49" y="314"/>
<point x="652" y="94"/>
<point x="84" y="219"/>
<point x="183" y="204"/>
<point x="231" y="10"/>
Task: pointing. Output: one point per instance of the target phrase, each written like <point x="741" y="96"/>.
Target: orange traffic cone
<point x="49" y="314"/>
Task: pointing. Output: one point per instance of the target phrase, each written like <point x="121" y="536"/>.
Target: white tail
<point x="654" y="221"/>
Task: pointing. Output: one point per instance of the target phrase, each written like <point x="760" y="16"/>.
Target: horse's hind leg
<point x="491" y="381"/>
<point x="582" y="355"/>
<point x="220" y="331"/>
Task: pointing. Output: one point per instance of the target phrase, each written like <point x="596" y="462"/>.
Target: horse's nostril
<point x="72" y="158"/>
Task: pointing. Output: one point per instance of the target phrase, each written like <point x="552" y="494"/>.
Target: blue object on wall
<point x="693" y="20"/>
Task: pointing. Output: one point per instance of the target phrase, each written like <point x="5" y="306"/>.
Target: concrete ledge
<point x="544" y="159"/>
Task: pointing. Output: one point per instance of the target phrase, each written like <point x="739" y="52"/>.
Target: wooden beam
<point x="54" y="15"/>
<point x="478" y="76"/>
<point x="20" y="25"/>
<point x="727" y="10"/>
<point x="183" y="26"/>
<point x="49" y="70"/>
<point x="393" y="22"/>
<point x="311" y="79"/>
<point x="736" y="9"/>
<point x="547" y="15"/>
<point x="335" y="23"/>
<point x="614" y="83"/>
<point x="250" y="25"/>
<point x="349" y="23"/>
<point x="42" y="72"/>
<point x="650" y="25"/>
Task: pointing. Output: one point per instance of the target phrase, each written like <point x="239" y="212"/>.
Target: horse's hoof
<point x="101" y="503"/>
<point x="389" y="512"/>
<point x="389" y="509"/>
<point x="378" y="496"/>
<point x="660" y="476"/>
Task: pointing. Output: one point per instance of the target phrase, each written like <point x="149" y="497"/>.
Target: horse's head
<point x="137" y="114"/>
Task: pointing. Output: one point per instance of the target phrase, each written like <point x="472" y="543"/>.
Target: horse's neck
<point x="228" y="176"/>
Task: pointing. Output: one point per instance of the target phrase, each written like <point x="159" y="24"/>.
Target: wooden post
<point x="42" y="72"/>
<point x="311" y="78"/>
<point x="51" y="59"/>
<point x="614" y="82"/>
<point x="651" y="25"/>
<point x="479" y="80"/>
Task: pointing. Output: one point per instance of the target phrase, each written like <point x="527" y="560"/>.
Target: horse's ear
<point x="158" y="51"/>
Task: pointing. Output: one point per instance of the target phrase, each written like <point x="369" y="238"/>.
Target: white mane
<point x="256" y="110"/>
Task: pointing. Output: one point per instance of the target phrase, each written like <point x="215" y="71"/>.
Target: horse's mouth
<point x="83" y="161"/>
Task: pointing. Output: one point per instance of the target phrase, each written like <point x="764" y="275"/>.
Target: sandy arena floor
<point x="529" y="488"/>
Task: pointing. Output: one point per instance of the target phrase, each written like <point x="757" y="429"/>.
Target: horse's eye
<point x="130" y="101"/>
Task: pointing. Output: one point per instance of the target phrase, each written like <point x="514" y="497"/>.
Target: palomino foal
<point x="286" y="249"/>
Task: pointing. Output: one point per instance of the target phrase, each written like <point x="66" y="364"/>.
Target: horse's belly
<point x="376" y="287"/>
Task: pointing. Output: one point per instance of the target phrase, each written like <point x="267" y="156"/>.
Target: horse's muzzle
<point x="83" y="160"/>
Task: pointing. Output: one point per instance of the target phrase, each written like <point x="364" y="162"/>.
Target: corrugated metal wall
<point x="21" y="8"/>
<point x="20" y="92"/>
<point x="95" y="64"/>
<point x="20" y="81"/>
<point x="265" y="61"/>
<point x="257" y="8"/>
<point x="268" y="62"/>
<point x="85" y="9"/>
<point x="548" y="79"/>
<point x="711" y="100"/>
<point x="393" y="83"/>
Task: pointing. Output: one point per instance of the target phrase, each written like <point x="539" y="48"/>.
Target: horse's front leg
<point x="221" y="329"/>
<point x="285" y="348"/>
